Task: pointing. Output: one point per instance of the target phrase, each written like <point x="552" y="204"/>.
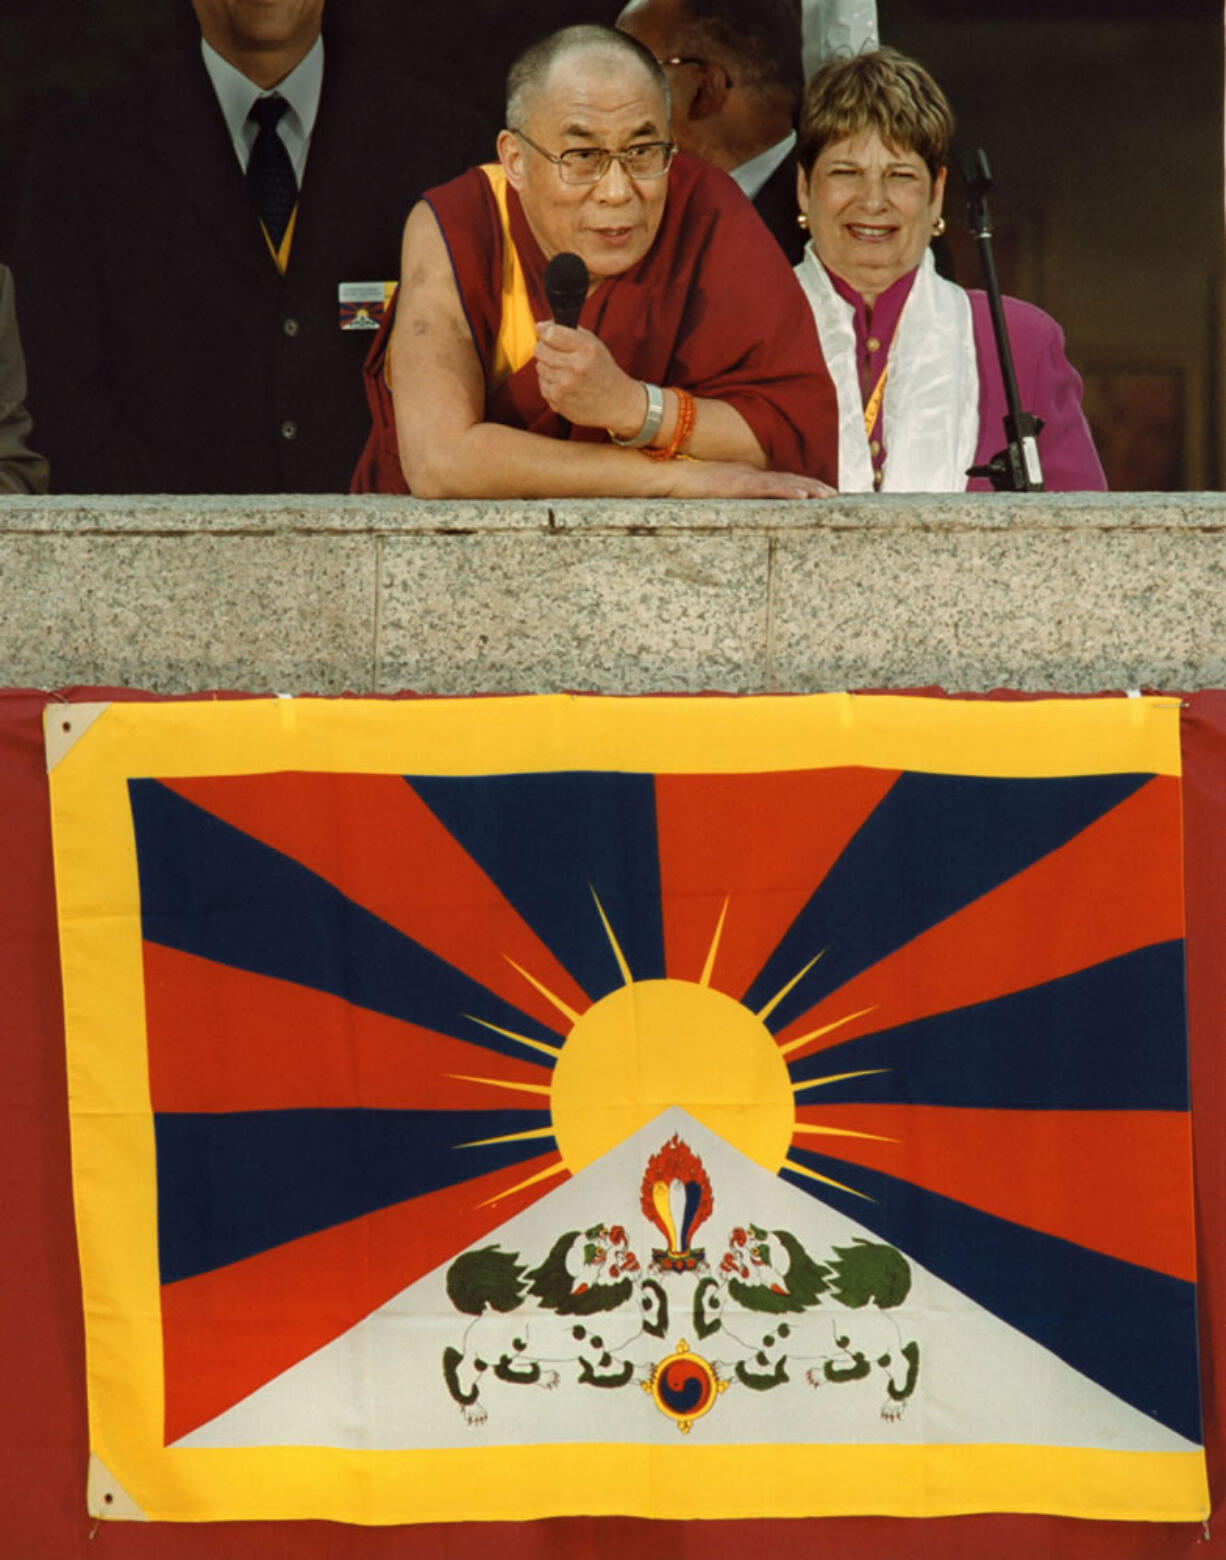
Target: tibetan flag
<point x="510" y="1107"/>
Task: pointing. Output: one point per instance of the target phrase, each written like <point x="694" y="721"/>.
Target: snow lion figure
<point x="586" y="1304"/>
<point x="830" y="1317"/>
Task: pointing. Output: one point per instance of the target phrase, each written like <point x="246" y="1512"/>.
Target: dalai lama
<point x="694" y="369"/>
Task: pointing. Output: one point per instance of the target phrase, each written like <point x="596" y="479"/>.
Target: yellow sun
<point x="654" y="1043"/>
<point x="650" y="1044"/>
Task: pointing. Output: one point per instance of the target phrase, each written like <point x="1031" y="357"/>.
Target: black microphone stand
<point x="1016" y="468"/>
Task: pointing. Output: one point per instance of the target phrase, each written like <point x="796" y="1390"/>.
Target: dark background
<point x="1102" y="120"/>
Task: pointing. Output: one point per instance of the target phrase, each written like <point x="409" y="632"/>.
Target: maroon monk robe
<point x="713" y="307"/>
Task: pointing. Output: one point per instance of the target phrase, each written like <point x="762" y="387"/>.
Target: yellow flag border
<point x="112" y="1127"/>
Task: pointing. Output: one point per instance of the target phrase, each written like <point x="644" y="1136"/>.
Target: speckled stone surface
<point x="183" y="612"/>
<point x="611" y="614"/>
<point x="1075" y="611"/>
<point x="325" y="593"/>
<point x="260" y="514"/>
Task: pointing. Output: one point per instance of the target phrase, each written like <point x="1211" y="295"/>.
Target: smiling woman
<point x="872" y="209"/>
<point x="913" y="356"/>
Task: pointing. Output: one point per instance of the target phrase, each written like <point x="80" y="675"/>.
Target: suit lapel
<point x="339" y="166"/>
<point x="776" y="205"/>
<point x="189" y="137"/>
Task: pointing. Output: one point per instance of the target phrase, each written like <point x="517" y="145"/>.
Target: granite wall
<point x="325" y="595"/>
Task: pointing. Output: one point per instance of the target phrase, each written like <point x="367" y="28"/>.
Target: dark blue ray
<point x="1126" y="1327"/>
<point x="209" y="889"/>
<point x="231" y="1185"/>
<point x="933" y="844"/>
<point x="1110" y="1037"/>
<point x="547" y="841"/>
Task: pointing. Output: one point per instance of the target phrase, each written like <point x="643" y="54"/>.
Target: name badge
<point x="362" y="304"/>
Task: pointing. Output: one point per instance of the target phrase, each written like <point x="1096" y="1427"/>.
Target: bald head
<point x="529" y="75"/>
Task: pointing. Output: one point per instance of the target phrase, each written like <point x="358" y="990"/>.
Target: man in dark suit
<point x="199" y="256"/>
<point x="736" y="77"/>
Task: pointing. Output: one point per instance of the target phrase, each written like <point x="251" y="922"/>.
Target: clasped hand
<point x="581" y="382"/>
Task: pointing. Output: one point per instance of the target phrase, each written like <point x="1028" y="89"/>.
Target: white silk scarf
<point x="931" y="407"/>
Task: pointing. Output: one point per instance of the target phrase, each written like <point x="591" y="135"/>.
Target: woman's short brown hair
<point x="884" y="91"/>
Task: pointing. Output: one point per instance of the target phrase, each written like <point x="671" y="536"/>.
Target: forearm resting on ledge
<point x="489" y="461"/>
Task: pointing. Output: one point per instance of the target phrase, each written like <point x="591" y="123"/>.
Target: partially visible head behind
<point x="751" y="46"/>
<point x="587" y="88"/>
<point x="600" y="48"/>
<point x="264" y="39"/>
<point x="757" y="41"/>
<point x="882" y="91"/>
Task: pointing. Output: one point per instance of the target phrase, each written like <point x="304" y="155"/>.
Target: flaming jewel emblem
<point x="677" y="1199"/>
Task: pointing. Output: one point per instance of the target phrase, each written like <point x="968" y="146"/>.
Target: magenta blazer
<point x="1049" y="386"/>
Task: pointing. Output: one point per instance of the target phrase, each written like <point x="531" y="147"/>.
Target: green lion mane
<point x="487" y="1278"/>
<point x="866" y="1271"/>
<point x="555" y="1288"/>
<point x="805" y="1280"/>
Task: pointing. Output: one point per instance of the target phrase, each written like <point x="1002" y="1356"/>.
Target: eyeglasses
<point x="589" y="164"/>
<point x="689" y="59"/>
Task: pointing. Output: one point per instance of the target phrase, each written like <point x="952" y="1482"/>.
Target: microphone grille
<point x="566" y="288"/>
<point x="566" y="275"/>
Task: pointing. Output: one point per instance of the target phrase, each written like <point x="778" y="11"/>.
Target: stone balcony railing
<point x="324" y="595"/>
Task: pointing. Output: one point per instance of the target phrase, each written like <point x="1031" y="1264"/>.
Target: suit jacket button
<point x="290" y="326"/>
<point x="289" y="429"/>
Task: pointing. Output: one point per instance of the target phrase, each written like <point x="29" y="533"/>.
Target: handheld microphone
<point x="566" y="282"/>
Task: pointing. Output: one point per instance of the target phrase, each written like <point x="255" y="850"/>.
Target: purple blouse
<point x="1048" y="384"/>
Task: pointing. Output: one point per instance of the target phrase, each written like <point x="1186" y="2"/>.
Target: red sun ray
<point x="224" y="1039"/>
<point x="762" y="841"/>
<point x="1113" y="1181"/>
<point x="373" y="837"/>
<point x="1108" y="891"/>
<point x="229" y="1331"/>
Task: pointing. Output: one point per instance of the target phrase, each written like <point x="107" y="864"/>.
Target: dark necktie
<point x="270" y="172"/>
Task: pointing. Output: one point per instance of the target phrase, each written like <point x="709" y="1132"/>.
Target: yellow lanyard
<point x="281" y="256"/>
<point x="873" y="408"/>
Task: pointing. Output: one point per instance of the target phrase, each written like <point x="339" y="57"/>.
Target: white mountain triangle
<point x="956" y="1374"/>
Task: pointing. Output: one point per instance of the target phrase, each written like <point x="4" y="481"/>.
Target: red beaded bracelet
<point x="687" y="412"/>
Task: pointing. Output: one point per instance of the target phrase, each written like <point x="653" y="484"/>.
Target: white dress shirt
<point x="300" y="89"/>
